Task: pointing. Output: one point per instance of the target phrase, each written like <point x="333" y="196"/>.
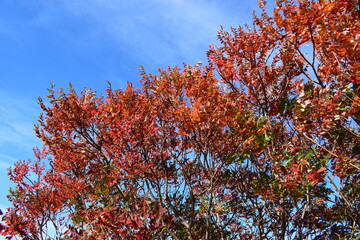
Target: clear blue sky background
<point x="90" y="42"/>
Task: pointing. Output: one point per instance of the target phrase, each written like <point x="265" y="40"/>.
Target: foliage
<point x="261" y="143"/>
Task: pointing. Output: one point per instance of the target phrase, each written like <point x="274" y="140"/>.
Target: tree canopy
<point x="260" y="143"/>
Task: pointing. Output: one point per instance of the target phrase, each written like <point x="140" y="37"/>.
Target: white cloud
<point x="153" y="31"/>
<point x="17" y="138"/>
<point x="17" y="118"/>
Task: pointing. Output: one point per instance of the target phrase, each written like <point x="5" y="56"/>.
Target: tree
<point x="261" y="143"/>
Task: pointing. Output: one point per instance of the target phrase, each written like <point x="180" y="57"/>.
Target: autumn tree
<point x="261" y="143"/>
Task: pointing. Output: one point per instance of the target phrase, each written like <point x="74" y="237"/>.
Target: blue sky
<point x="90" y="42"/>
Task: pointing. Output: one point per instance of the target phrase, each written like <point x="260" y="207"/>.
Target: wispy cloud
<point x="17" y="138"/>
<point x="17" y="118"/>
<point x="157" y="28"/>
<point x="153" y="31"/>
